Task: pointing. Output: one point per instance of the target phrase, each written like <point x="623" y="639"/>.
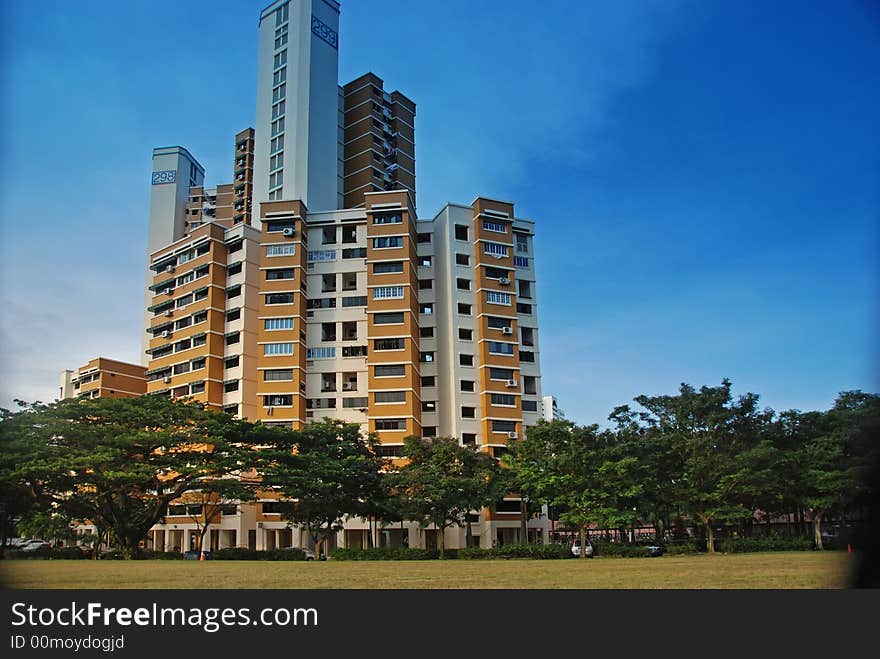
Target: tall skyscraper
<point x="296" y="151"/>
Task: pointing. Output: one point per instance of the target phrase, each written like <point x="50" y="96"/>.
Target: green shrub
<point x="770" y="543"/>
<point x="680" y="547"/>
<point x="619" y="550"/>
<point x="389" y="554"/>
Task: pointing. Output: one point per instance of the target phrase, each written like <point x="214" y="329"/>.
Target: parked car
<point x="576" y="548"/>
<point x="309" y="553"/>
<point x="33" y="545"/>
<point x="655" y="550"/>
<point x="195" y="555"/>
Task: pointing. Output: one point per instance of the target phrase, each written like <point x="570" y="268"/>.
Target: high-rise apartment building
<point x="309" y="287"/>
<point x="104" y="378"/>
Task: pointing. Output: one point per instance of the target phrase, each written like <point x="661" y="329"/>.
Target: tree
<point x="838" y="457"/>
<point x="708" y="433"/>
<point x="118" y="462"/>
<point x="215" y="493"/>
<point x="443" y="481"/>
<point x="325" y="472"/>
<point x="579" y="470"/>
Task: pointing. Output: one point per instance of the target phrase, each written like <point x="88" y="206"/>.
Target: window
<point x="497" y="227"/>
<point x="277" y="226"/>
<point x="496" y="273"/>
<point x="200" y="317"/>
<point x="277" y="127"/>
<point x="387" y="266"/>
<point x="494" y="297"/>
<point x="235" y="291"/>
<point x="200" y="295"/>
<point x="463" y="284"/>
<point x="271" y="349"/>
<point x="320" y="353"/>
<point x="233" y="314"/>
<point x="322" y="255"/>
<point x="323" y="303"/>
<point x="391" y="370"/>
<point x="522" y="243"/>
<point x="328" y="331"/>
<point x="387" y="241"/>
<point x="521" y="261"/>
<point x="529" y="385"/>
<point x="182" y="345"/>
<point x="429" y="381"/>
<point x="387" y="218"/>
<point x="328" y="283"/>
<point x="355" y="301"/>
<point x="349" y="281"/>
<point x="499" y="348"/>
<point x="277" y="144"/>
<point x="498" y="323"/>
<point x="425" y="261"/>
<point x="328" y="236"/>
<point x="426" y="308"/>
<point x="526" y="356"/>
<point x="388" y="344"/>
<point x="276" y="161"/>
<point x="278" y="323"/>
<point x="504" y="399"/>
<point x="464" y="309"/>
<point x="354" y="402"/>
<point x="528" y="336"/>
<point x="395" y="318"/>
<point x="426" y="332"/>
<point x="390" y="396"/>
<point x="181" y="368"/>
<point x="525" y="309"/>
<point x="198" y="364"/>
<point x="501" y="374"/>
<point x="462" y="259"/>
<point x="495" y="249"/>
<point x="426" y="357"/>
<point x="468" y="412"/>
<point x="387" y="292"/>
<point x="197" y="387"/>
<point x="530" y="406"/>
<point x="525" y="289"/>
<point x="466" y="385"/>
<point x="232" y="339"/>
<point x="426" y="284"/>
<point x="355" y="253"/>
<point x="279" y="298"/>
<point x="465" y="334"/>
<point x="429" y="431"/>
<point x="280" y="273"/>
<point x="429" y="406"/>
<point x="229" y="509"/>
<point x="279" y="76"/>
<point x="199" y="340"/>
<point x="280" y="400"/>
<point x="354" y="351"/>
<point x="234" y="269"/>
<point x="284" y="249"/>
<point x="279" y="374"/>
<point x="468" y="438"/>
<point x="390" y="424"/>
<point x="461" y="232"/>
<point x="349" y="331"/>
<point x="230" y="386"/>
<point x="231" y="362"/>
<point x="503" y="426"/>
<point x="466" y="360"/>
<point x="423" y="237"/>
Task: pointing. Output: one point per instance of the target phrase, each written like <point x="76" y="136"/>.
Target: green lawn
<point x="765" y="570"/>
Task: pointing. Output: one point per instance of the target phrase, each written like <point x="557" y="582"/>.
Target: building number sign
<point x="167" y="176"/>
<point x="322" y="31"/>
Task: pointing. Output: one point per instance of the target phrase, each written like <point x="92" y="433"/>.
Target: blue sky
<point x="705" y="177"/>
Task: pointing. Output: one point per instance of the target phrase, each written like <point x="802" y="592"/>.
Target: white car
<point x="33" y="545"/>
<point x="576" y="548"/>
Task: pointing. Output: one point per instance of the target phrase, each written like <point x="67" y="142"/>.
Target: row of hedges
<point x="66" y="553"/>
<point x="468" y="553"/>
<point x="535" y="552"/>
<point x="772" y="543"/>
<point x="244" y="554"/>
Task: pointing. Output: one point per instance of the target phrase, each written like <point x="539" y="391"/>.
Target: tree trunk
<point x="441" y="541"/>
<point x="817" y="530"/>
<point x="469" y="532"/>
<point x="523" y="522"/>
<point x="710" y="537"/>
<point x="583" y="533"/>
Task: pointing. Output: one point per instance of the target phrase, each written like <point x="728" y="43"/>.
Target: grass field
<point x="765" y="570"/>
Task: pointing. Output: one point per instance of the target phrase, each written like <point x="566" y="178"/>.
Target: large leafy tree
<point x="118" y="462"/>
<point x="580" y="470"/>
<point x="713" y="439"/>
<point x="837" y="455"/>
<point x="442" y="481"/>
<point x="324" y="472"/>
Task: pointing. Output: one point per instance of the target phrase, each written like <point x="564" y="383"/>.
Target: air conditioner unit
<point x="512" y="435"/>
<point x="169" y="312"/>
<point x="166" y="334"/>
<point x="511" y="383"/>
<point x="504" y="281"/>
<point x="169" y="268"/>
<point x="166" y="379"/>
<point x="288" y="232"/>
<point x="507" y="330"/>
<point x="169" y="291"/>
